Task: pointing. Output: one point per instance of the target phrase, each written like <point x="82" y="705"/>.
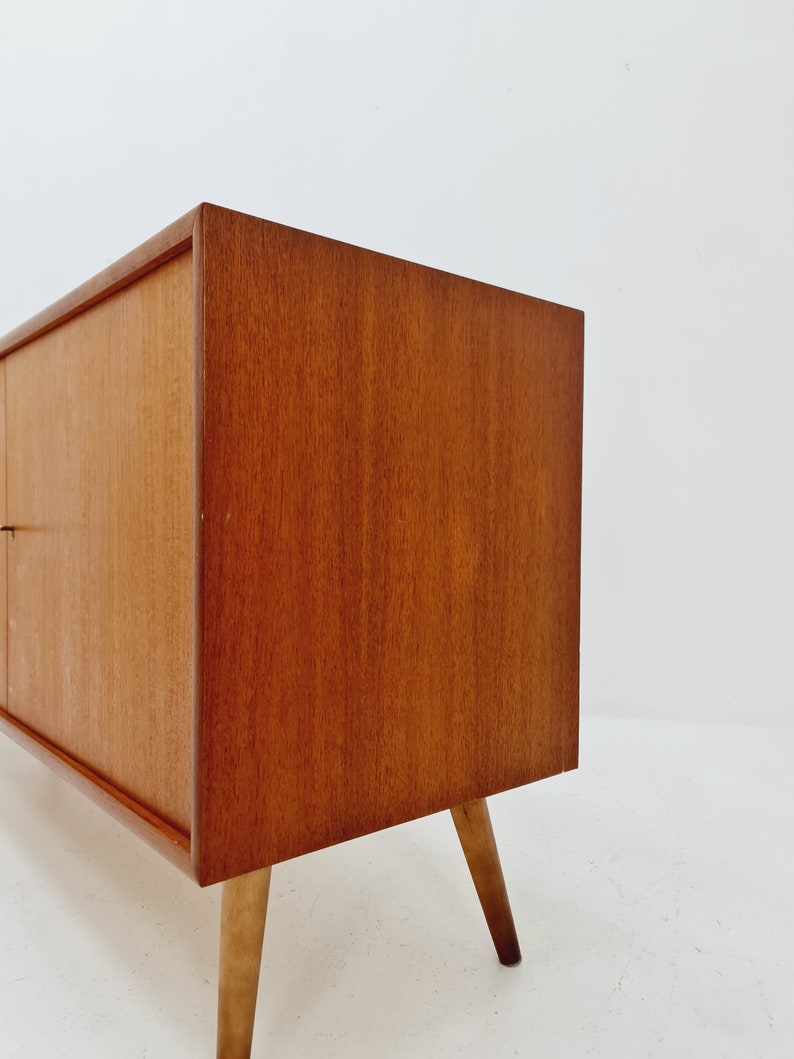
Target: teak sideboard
<point x="290" y="554"/>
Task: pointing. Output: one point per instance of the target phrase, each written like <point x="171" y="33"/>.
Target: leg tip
<point x="510" y="959"/>
<point x="510" y="962"/>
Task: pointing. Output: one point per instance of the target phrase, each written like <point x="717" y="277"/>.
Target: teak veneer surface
<point x="101" y="597"/>
<point x="170" y="242"/>
<point x="300" y="539"/>
<point x="390" y="540"/>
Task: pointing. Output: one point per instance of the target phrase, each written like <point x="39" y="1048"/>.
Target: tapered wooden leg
<point x="243" y="911"/>
<point x="473" y="824"/>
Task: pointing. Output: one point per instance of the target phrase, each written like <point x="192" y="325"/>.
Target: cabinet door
<point x="101" y="488"/>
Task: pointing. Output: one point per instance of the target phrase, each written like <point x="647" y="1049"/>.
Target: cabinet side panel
<point x="101" y="483"/>
<point x="390" y="585"/>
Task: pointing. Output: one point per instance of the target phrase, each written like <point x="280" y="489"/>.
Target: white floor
<point x="652" y="891"/>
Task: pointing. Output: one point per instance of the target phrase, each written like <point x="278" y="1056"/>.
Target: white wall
<point x="632" y="159"/>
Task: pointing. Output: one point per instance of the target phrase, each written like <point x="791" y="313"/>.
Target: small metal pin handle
<point x="8" y="529"/>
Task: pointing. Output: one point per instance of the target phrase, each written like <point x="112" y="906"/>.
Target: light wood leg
<point x="243" y="911"/>
<point x="473" y="824"/>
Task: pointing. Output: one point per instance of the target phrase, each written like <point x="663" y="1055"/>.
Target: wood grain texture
<point x="169" y="842"/>
<point x="473" y="824"/>
<point x="101" y="593"/>
<point x="383" y="463"/>
<point x="390" y="542"/>
<point x="243" y="914"/>
<point x="3" y="546"/>
<point x="170" y="242"/>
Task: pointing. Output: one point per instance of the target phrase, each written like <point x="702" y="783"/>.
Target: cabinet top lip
<point x="168" y="243"/>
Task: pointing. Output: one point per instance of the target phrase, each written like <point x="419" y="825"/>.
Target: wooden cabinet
<point x="295" y="548"/>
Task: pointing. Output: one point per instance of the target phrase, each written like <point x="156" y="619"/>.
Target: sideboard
<point x="290" y="553"/>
